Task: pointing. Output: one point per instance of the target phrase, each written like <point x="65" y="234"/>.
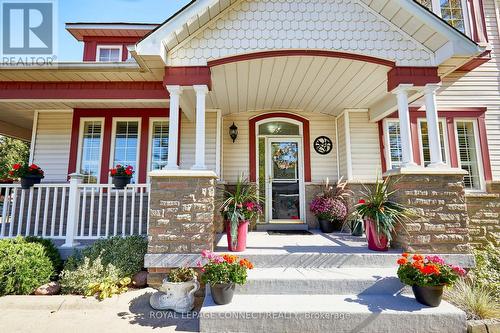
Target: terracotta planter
<point x="121" y="182"/>
<point x="242" y="237"/>
<point x="28" y="181"/>
<point x="222" y="293"/>
<point x="376" y="242"/>
<point x="430" y="296"/>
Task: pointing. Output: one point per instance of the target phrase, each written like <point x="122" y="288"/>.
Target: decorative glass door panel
<point x="284" y="180"/>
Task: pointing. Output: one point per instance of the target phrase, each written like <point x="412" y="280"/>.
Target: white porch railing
<point x="74" y="211"/>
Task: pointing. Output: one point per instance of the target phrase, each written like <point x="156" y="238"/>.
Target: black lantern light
<point x="233" y="132"/>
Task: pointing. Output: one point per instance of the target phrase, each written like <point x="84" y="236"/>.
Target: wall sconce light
<point x="233" y="132"/>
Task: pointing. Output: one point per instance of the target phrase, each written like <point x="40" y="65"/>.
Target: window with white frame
<point x="158" y="144"/>
<point x="452" y="11"/>
<point x="90" y="149"/>
<point x="393" y="144"/>
<point x="126" y="144"/>
<point x="109" y="53"/>
<point x="425" y="152"/>
<point x="469" y="153"/>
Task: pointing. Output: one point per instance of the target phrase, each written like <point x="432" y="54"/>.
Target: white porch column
<point x="404" y="124"/>
<point x="433" y="126"/>
<point x="201" y="94"/>
<point x="173" y="127"/>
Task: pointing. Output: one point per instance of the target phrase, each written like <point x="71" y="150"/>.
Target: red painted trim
<point x="414" y="141"/>
<point x="306" y="137"/>
<point x="476" y="62"/>
<point x="108" y="115"/>
<point x="289" y="53"/>
<point x="418" y="76"/>
<point x="82" y="90"/>
<point x="452" y="143"/>
<point x="485" y="151"/>
<point x="382" y="145"/>
<point x="91" y="44"/>
<point x="90" y="51"/>
<point x="188" y="76"/>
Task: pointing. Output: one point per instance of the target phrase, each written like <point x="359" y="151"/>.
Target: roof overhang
<point x="83" y="30"/>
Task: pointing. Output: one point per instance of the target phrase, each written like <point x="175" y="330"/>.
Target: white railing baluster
<point x="141" y="197"/>
<point x="37" y="210"/>
<point x="108" y="211"/>
<point x="21" y="213"/>
<point x="132" y="211"/>
<point x="115" y="220"/>
<point x="45" y="211"/>
<point x="124" y="214"/>
<point x="61" y="214"/>
<point x="99" y="214"/>
<point x="73" y="210"/>
<point x="13" y="214"/>
<point x="54" y="213"/>
<point x="91" y="214"/>
<point x="28" y="216"/>
<point x="5" y="207"/>
<point x="84" y="211"/>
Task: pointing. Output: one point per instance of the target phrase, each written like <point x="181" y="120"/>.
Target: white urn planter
<point x="176" y="296"/>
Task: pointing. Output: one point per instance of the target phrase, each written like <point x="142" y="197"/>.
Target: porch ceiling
<point x="303" y="83"/>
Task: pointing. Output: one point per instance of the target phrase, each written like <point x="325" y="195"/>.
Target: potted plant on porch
<point x="30" y="174"/>
<point x="330" y="206"/>
<point x="121" y="175"/>
<point x="240" y="207"/>
<point x="223" y="273"/>
<point x="381" y="214"/>
<point x="427" y="276"/>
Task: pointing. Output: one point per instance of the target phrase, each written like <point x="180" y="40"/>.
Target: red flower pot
<point x="376" y="242"/>
<point x="242" y="236"/>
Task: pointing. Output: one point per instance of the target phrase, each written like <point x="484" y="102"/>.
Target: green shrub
<point x="487" y="270"/>
<point x="50" y="250"/>
<point x="93" y="278"/>
<point x="24" y="267"/>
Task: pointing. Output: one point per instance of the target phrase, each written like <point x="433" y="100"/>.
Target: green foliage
<point x="11" y="151"/>
<point x="182" y="274"/>
<point x="377" y="205"/>
<point x="487" y="270"/>
<point x="411" y="276"/>
<point x="475" y="299"/>
<point x="24" y="267"/>
<point x="50" y="250"/>
<point x="108" y="287"/>
<point x="224" y="269"/>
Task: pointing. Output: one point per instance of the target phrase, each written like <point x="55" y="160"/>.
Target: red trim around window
<point x="450" y="115"/>
<point x="91" y="44"/>
<point x="306" y="138"/>
<point x="108" y="115"/>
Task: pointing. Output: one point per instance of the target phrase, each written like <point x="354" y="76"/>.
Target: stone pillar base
<point x="438" y="197"/>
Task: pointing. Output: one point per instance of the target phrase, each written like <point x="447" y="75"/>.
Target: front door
<point x="284" y="180"/>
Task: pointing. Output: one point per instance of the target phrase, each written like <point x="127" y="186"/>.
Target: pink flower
<point x="198" y="264"/>
<point x="459" y="270"/>
<point x="206" y="254"/>
<point x="435" y="259"/>
<point x="218" y="259"/>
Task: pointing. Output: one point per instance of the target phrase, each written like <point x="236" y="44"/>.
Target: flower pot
<point x="222" y="293"/>
<point x="430" y="296"/>
<point x="326" y="226"/>
<point x="242" y="236"/>
<point x="177" y="296"/>
<point x="28" y="181"/>
<point x="357" y="228"/>
<point x="376" y="242"/>
<point x="121" y="182"/>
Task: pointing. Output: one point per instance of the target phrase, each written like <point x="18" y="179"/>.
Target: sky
<point x="137" y="11"/>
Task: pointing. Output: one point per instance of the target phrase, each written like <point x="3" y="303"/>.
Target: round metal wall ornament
<point x="323" y="145"/>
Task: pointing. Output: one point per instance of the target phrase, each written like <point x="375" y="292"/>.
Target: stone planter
<point x="430" y="296"/>
<point x="376" y="242"/>
<point x="28" y="181"/>
<point x="177" y="296"/>
<point x="120" y="182"/>
<point x="242" y="237"/>
<point x="222" y="293"/>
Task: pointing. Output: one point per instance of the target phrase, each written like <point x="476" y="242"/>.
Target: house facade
<point x="288" y="93"/>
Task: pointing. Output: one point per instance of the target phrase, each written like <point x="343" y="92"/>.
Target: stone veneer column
<point x="181" y="212"/>
<point x="438" y="197"/>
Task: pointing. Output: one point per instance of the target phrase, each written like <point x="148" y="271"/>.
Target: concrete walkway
<point x="129" y="312"/>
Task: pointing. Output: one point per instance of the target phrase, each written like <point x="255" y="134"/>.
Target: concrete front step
<point x="332" y="281"/>
<point x="329" y="313"/>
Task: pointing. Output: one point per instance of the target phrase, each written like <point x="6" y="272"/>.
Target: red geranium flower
<point x="113" y="172"/>
<point x="33" y="166"/>
<point x="361" y="201"/>
<point x="16" y="166"/>
<point x="128" y="172"/>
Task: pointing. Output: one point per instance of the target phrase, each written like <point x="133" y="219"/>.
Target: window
<point x="469" y="153"/>
<point x="159" y="144"/>
<point x="126" y="144"/>
<point x="109" y="53"/>
<point x="90" y="151"/>
<point x="452" y="11"/>
<point x="393" y="144"/>
<point x="279" y="128"/>
<point x="425" y="153"/>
